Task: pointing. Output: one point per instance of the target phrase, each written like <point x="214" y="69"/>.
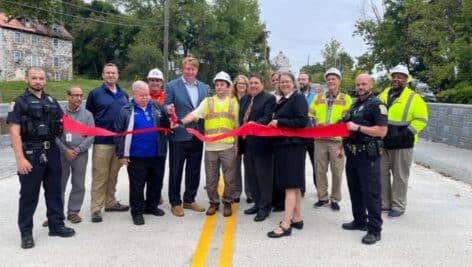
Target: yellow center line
<point x="226" y="254"/>
<point x="203" y="245"/>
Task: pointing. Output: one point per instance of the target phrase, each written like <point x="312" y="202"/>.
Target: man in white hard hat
<point x="220" y="113"/>
<point x="156" y="85"/>
<point x="407" y="117"/>
<point x="329" y="108"/>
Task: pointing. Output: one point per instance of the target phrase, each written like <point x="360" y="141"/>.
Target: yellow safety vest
<point x="408" y="109"/>
<point x="220" y="118"/>
<point x="319" y="108"/>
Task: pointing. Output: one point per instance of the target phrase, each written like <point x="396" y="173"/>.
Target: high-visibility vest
<point x="324" y="116"/>
<point x="408" y="109"/>
<point x="220" y="118"/>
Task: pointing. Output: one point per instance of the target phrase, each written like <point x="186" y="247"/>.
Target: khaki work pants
<point x="325" y="155"/>
<point x="395" y="163"/>
<point x="105" y="168"/>
<point x="213" y="160"/>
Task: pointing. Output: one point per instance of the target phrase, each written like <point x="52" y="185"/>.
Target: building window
<point x="55" y="42"/>
<point x="17" y="37"/>
<point x="17" y="55"/>
<point x="57" y="76"/>
<point x="34" y="39"/>
<point x="34" y="61"/>
<point x="55" y="62"/>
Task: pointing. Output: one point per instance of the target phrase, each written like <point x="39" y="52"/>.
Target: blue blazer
<point x="176" y="93"/>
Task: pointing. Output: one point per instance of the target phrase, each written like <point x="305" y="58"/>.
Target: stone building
<point x="25" y="43"/>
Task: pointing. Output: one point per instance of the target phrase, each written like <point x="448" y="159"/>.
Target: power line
<point x="75" y="16"/>
<point x="99" y="11"/>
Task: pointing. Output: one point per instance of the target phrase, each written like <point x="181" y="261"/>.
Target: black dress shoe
<point x="249" y="200"/>
<point x="138" y="220"/>
<point x="97" y="217"/>
<point x="62" y="232"/>
<point x="261" y="215"/>
<point x="370" y="238"/>
<point x="354" y="226"/>
<point x="252" y="210"/>
<point x="297" y="225"/>
<point x="27" y="242"/>
<point x="156" y="212"/>
<point x="118" y="207"/>
<point x="285" y="232"/>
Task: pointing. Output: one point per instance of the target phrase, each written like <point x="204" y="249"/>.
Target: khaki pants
<point x="105" y="168"/>
<point x="396" y="163"/>
<point x="325" y="154"/>
<point x="213" y="160"/>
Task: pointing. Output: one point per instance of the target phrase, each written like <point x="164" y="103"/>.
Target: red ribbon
<point x="81" y="129"/>
<point x="333" y="130"/>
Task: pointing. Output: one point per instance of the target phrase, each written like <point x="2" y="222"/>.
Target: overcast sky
<point x="301" y="28"/>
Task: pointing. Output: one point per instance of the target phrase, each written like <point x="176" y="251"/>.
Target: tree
<point x="42" y="11"/>
<point x="335" y="56"/>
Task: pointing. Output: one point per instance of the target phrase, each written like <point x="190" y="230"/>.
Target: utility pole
<point x="166" y="40"/>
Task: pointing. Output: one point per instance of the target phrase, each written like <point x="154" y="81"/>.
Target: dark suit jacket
<point x="261" y="113"/>
<point x="291" y="113"/>
<point x="176" y="93"/>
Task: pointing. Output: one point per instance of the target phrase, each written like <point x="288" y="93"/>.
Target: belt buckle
<point x="46" y="145"/>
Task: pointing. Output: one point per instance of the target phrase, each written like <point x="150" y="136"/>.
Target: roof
<point x="35" y="28"/>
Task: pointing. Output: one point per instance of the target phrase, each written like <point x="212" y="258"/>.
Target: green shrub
<point x="460" y="94"/>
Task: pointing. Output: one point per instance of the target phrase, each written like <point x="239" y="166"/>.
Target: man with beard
<point x="35" y="121"/>
<point x="407" y="117"/>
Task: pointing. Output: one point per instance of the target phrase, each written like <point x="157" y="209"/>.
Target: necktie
<point x="248" y="111"/>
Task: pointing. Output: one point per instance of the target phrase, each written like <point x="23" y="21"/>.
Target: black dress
<point x="289" y="152"/>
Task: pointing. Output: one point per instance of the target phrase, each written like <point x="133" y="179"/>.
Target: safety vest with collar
<point x="408" y="111"/>
<point x="220" y="119"/>
<point x="324" y="115"/>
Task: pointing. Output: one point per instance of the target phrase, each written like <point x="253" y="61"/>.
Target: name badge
<point x="68" y="137"/>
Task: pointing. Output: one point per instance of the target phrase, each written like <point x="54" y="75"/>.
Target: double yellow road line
<point x="203" y="245"/>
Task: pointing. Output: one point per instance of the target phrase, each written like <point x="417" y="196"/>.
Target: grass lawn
<point x="10" y="90"/>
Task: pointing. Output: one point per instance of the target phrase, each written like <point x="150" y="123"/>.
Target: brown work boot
<point x="212" y="209"/>
<point x="177" y="210"/>
<point x="194" y="206"/>
<point x="227" y="210"/>
<point x="74" y="218"/>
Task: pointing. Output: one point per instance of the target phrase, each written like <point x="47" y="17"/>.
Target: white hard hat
<point x="400" y="69"/>
<point x="156" y="74"/>
<point x="223" y="76"/>
<point x="334" y="71"/>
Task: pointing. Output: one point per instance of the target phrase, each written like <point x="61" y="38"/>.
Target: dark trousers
<point x="50" y="175"/>
<point x="310" y="148"/>
<point x="260" y="177"/>
<point x="147" y="172"/>
<point x="363" y="180"/>
<point x="190" y="153"/>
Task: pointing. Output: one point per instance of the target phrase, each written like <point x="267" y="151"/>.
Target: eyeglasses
<point x="77" y="95"/>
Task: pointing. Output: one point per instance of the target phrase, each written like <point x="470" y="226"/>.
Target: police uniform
<point x="40" y="123"/>
<point x="363" y="163"/>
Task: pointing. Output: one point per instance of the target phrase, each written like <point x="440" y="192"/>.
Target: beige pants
<point x="105" y="168"/>
<point x="213" y="160"/>
<point x="325" y="154"/>
<point x="396" y="163"/>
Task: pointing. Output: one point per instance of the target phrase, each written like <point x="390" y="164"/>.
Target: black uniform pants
<point x="259" y="170"/>
<point x="143" y="172"/>
<point x="310" y="148"/>
<point x="50" y="175"/>
<point x="190" y="153"/>
<point x="363" y="180"/>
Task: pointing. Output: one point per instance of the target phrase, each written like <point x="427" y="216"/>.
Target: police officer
<point x="367" y="123"/>
<point x="35" y="121"/>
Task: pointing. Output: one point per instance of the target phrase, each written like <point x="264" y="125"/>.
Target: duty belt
<point x="355" y="148"/>
<point x="39" y="145"/>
